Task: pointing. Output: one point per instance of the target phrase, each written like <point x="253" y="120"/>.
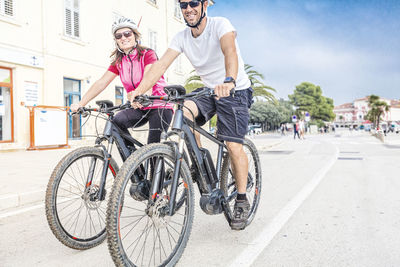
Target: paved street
<point x="328" y="200"/>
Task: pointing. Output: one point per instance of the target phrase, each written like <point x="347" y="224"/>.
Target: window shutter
<point x="9" y="7"/>
<point x="72" y="18"/>
<point x="76" y="24"/>
<point x="68" y="22"/>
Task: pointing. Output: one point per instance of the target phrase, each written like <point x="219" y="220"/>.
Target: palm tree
<point x="260" y="89"/>
<point x="193" y="82"/>
<point x="378" y="108"/>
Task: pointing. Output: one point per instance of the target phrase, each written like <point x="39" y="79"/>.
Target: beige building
<point x="52" y="51"/>
<point x="353" y="114"/>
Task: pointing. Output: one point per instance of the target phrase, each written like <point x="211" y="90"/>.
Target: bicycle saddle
<point x="104" y="103"/>
<point x="175" y="90"/>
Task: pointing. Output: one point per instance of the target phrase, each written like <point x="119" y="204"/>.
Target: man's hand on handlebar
<point x="223" y="90"/>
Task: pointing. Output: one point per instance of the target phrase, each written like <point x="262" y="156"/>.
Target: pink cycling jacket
<point x="123" y="69"/>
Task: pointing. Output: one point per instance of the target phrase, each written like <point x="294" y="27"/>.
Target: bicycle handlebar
<point x="179" y="98"/>
<point x="86" y="111"/>
<point x="146" y="100"/>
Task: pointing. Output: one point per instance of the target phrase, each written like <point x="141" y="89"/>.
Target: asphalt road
<point x="326" y="201"/>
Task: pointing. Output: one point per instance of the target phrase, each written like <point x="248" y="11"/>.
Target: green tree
<point x="260" y="89"/>
<point x="193" y="82"/>
<point x="270" y="114"/>
<point x="308" y="97"/>
<point x="377" y="109"/>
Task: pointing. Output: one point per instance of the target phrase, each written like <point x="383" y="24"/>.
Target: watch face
<point x="229" y="80"/>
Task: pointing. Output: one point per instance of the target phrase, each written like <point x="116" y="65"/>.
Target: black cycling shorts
<point x="232" y="114"/>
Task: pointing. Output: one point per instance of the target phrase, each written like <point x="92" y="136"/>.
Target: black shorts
<point x="232" y="114"/>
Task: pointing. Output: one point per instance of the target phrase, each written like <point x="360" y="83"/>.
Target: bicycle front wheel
<point x="228" y="184"/>
<point x="140" y="231"/>
<point x="75" y="215"/>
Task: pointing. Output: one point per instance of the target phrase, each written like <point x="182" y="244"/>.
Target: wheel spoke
<point x="77" y="211"/>
<point x="151" y="241"/>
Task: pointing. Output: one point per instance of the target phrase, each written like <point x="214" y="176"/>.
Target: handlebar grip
<point x="126" y="105"/>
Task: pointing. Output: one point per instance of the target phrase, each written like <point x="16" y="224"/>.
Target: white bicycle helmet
<point x="123" y="23"/>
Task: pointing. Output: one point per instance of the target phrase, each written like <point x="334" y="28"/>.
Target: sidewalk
<point x="24" y="174"/>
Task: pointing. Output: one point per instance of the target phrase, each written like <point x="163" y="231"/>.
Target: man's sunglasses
<point x="192" y="4"/>
<point x="126" y="34"/>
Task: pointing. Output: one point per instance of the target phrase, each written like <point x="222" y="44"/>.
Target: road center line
<point x="251" y="253"/>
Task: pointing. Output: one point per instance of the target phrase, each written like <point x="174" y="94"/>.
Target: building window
<point x="153" y="40"/>
<point x="72" y="95"/>
<point x="72" y="25"/>
<point x="177" y="10"/>
<point x="7" y="8"/>
<point x="6" y="106"/>
<point x="178" y="65"/>
<point x="119" y="95"/>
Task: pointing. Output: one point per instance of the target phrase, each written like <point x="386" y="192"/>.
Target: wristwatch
<point x="230" y="79"/>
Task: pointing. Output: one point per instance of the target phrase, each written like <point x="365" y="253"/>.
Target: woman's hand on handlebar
<point x="75" y="107"/>
<point x="131" y="97"/>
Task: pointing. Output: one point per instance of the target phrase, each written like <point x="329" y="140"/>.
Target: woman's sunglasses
<point x="126" y="34"/>
<point x="192" y="4"/>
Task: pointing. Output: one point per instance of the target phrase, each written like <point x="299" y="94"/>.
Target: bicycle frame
<point x="182" y="127"/>
<point x="112" y="134"/>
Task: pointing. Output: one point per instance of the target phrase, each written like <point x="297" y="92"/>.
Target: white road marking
<point x="19" y="211"/>
<point x="255" y="248"/>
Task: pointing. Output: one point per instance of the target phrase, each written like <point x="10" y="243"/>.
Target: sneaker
<point x="240" y="214"/>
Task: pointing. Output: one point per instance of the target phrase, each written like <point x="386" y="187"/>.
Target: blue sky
<point x="350" y="48"/>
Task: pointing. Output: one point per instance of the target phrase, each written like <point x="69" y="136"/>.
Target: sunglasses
<point x="126" y="34"/>
<point x="192" y="4"/>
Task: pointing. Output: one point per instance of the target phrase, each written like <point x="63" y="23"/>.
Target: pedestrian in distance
<point x="296" y="129"/>
<point x="302" y="129"/>
<point x="130" y="61"/>
<point x="283" y="129"/>
<point x="210" y="45"/>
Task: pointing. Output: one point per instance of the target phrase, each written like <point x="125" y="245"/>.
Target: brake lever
<point x="143" y="100"/>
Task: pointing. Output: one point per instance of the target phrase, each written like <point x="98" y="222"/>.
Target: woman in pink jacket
<point x="130" y="61"/>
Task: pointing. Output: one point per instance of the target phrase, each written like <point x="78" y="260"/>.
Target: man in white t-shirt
<point x="210" y="45"/>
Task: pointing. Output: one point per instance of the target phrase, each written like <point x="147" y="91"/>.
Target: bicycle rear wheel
<point x="228" y="185"/>
<point x="140" y="232"/>
<point x="75" y="217"/>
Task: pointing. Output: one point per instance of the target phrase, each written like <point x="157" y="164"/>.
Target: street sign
<point x="307" y="118"/>
<point x="294" y="118"/>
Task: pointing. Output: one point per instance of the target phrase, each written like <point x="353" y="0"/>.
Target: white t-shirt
<point x="205" y="54"/>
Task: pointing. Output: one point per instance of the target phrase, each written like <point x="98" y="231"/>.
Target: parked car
<point x="394" y="127"/>
<point x="255" y="129"/>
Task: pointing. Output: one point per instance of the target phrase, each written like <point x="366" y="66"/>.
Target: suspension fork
<point x="89" y="177"/>
<point x="177" y="168"/>
<point x="158" y="177"/>
<point x="107" y="159"/>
